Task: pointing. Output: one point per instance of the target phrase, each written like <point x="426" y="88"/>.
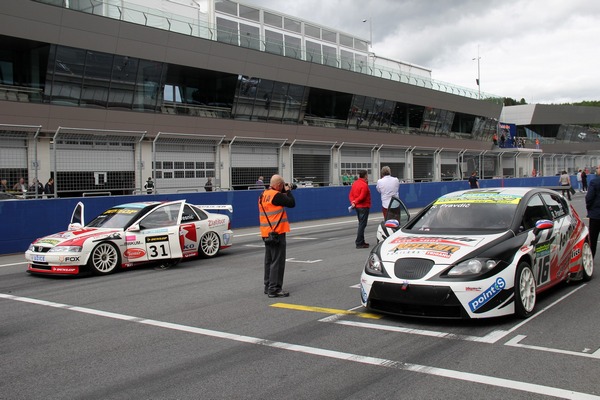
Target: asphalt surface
<point x="205" y="330"/>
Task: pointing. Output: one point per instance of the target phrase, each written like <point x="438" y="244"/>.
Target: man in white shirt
<point x="388" y="186"/>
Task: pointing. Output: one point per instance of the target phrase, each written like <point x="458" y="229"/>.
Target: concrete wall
<point x="25" y="220"/>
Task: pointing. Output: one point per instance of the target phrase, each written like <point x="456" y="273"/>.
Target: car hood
<point x="78" y="237"/>
<point x="441" y="249"/>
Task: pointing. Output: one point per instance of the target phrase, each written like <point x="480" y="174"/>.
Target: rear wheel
<point x="525" y="287"/>
<point x="210" y="244"/>
<point x="587" y="262"/>
<point x="104" y="259"/>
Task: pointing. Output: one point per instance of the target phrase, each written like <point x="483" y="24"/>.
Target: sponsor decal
<point x="153" y="239"/>
<point x="152" y="231"/>
<point x="53" y="242"/>
<point x="472" y="289"/>
<point x="487" y="294"/>
<point x="187" y="237"/>
<point x="130" y="238"/>
<point x="460" y="241"/>
<point x="187" y="217"/>
<point x="137" y="242"/>
<point x="134" y="253"/>
<point x="69" y="259"/>
<point x="438" y="254"/>
<point x="480" y="197"/>
<point x="217" y="222"/>
<point x="64" y="269"/>
<point x="120" y="211"/>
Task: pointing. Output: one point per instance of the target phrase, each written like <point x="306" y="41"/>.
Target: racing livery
<point x="476" y="254"/>
<point x="131" y="234"/>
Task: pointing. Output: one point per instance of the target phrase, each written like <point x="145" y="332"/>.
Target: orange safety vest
<point x="273" y="212"/>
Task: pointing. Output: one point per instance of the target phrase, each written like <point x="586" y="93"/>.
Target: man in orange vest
<point x="273" y="218"/>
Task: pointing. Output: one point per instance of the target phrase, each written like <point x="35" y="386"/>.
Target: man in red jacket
<point x="360" y="200"/>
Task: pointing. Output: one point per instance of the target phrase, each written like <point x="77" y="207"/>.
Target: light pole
<point x="370" y="31"/>
<point x="478" y="74"/>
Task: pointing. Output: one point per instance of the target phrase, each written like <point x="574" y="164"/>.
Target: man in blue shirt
<point x="592" y="204"/>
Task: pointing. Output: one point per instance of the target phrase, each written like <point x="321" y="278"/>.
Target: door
<point x="156" y="235"/>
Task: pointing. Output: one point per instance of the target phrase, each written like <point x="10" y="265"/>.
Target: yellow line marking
<point x="325" y="310"/>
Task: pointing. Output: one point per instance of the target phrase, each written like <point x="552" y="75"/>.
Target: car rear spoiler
<point x="227" y="207"/>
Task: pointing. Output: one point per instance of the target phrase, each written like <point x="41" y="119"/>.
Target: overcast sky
<point x="545" y="51"/>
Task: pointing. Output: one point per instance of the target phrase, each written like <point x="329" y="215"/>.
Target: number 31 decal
<point x="158" y="251"/>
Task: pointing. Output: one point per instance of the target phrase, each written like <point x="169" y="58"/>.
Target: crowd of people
<point x="22" y="189"/>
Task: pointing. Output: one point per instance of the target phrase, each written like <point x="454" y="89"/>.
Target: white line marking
<point x="514" y="342"/>
<point x="13" y="264"/>
<point x="338" y="355"/>
<point x="297" y="228"/>
<point x="301" y="261"/>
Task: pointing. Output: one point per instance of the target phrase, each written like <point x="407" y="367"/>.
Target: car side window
<point x="188" y="215"/>
<point x="558" y="207"/>
<point x="534" y="211"/>
<point x="160" y="217"/>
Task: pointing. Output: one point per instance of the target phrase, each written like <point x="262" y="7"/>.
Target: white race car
<point x="131" y="234"/>
<point x="477" y="253"/>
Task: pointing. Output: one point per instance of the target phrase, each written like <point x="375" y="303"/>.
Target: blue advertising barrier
<point x="22" y="221"/>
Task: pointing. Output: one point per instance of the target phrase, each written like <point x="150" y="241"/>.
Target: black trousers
<point x="594" y="227"/>
<point x="275" y="265"/>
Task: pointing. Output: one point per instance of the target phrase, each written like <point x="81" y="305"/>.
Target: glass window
<point x="329" y="36"/>
<point x="179" y="174"/>
<point x="167" y="164"/>
<point x="330" y="56"/>
<point x="226" y="6"/>
<point x="210" y="165"/>
<point x="557" y="206"/>
<point x="272" y="19"/>
<point x="149" y="82"/>
<point x="122" y="85"/>
<point x="312" y="31"/>
<point x="161" y="216"/>
<point x="199" y="165"/>
<point x="361" y="45"/>
<point x="96" y="82"/>
<point x="273" y="42"/>
<point x="68" y="75"/>
<point x="313" y="52"/>
<point x="347" y="60"/>
<point x="188" y="214"/>
<point x="200" y="174"/>
<point x="250" y="36"/>
<point x="227" y="31"/>
<point x="292" y="25"/>
<point x="249" y="13"/>
<point x="535" y="211"/>
<point x="178" y="164"/>
<point x="346" y="40"/>
<point x="189" y="174"/>
<point x="293" y="47"/>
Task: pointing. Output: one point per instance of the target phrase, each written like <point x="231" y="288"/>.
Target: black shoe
<point x="363" y="246"/>
<point x="280" y="293"/>
<point x="266" y="291"/>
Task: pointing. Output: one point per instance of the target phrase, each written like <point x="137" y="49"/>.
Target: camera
<point x="292" y="186"/>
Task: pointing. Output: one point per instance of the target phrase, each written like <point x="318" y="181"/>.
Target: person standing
<point x="273" y="218"/>
<point x="260" y="181"/>
<point x="360" y="200"/>
<point x="579" y="183"/>
<point x="3" y="186"/>
<point x="592" y="205"/>
<point x="388" y="186"/>
<point x="208" y="185"/>
<point x="149" y="186"/>
<point x="565" y="181"/>
<point x="584" y="184"/>
<point x="473" y="182"/>
<point x="49" y="188"/>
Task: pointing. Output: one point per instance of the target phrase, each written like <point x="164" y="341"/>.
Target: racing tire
<point x="209" y="244"/>
<point x="587" y="262"/>
<point x="525" y="290"/>
<point x="104" y="259"/>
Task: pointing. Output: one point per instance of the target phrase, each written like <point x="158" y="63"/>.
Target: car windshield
<point x="117" y="217"/>
<point x="468" y="212"/>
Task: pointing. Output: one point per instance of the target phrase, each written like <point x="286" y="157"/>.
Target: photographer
<point x="273" y="218"/>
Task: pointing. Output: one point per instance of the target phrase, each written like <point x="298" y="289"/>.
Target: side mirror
<point x="541" y="225"/>
<point x="74" y="226"/>
<point x="392" y="223"/>
<point x="134" y="228"/>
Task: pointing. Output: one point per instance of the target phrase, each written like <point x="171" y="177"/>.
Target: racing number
<point x="543" y="269"/>
<point x="158" y="246"/>
<point x="154" y="251"/>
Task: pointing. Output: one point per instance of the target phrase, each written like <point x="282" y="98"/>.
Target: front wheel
<point x="209" y="244"/>
<point x="104" y="259"/>
<point x="587" y="262"/>
<point x="525" y="288"/>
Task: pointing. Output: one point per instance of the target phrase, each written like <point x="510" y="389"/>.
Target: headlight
<point x="473" y="266"/>
<point x="374" y="266"/>
<point x="65" y="249"/>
